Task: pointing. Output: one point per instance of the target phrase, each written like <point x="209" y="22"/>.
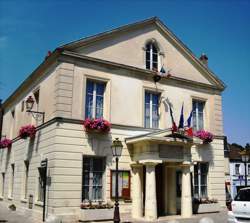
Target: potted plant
<point x="5" y="143"/>
<point x="96" y="211"/>
<point x="205" y="205"/>
<point x="27" y="131"/>
<point x="99" y="125"/>
<point x="205" y="136"/>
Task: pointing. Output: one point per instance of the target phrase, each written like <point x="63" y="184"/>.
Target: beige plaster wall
<point x="124" y="98"/>
<point x="128" y="48"/>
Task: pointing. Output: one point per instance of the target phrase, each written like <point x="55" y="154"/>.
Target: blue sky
<point x="28" y="29"/>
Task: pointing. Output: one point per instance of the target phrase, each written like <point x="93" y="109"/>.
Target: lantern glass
<point x="116" y="148"/>
<point x="29" y="103"/>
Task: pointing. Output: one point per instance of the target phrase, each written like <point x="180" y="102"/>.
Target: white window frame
<point x="199" y="178"/>
<point x="90" y="185"/>
<point x="151" y="109"/>
<point x="94" y="97"/>
<point x="237" y="172"/>
<point x="197" y="113"/>
<point x="151" y="56"/>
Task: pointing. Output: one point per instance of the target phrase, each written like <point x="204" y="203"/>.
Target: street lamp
<point x="36" y="114"/>
<point x="245" y="157"/>
<point x="116" y="151"/>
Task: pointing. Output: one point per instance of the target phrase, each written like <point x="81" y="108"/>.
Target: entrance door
<point x="159" y="189"/>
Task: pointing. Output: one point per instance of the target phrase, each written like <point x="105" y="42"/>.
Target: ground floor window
<point x="200" y="180"/>
<point x="40" y="194"/>
<point x="123" y="184"/>
<point x="2" y="184"/>
<point x="92" y="178"/>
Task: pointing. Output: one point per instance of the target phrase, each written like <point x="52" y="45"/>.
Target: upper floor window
<point x="237" y="169"/>
<point x="151" y="56"/>
<point x="151" y="119"/>
<point x="198" y="114"/>
<point x="94" y="99"/>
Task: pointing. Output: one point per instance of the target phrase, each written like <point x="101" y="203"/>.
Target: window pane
<point x="97" y="179"/>
<point x="155" y="65"/>
<point x="154" y="48"/>
<point x="147" y="55"/>
<point x="85" y="193"/>
<point x="203" y="191"/>
<point x="97" y="164"/>
<point x="89" y="106"/>
<point x="147" y="97"/>
<point x="90" y="86"/>
<point x="100" y="89"/>
<point x="155" y="57"/>
<point x="200" y="117"/>
<point x="99" y="107"/>
<point x="155" y="98"/>
<point x="97" y="193"/>
<point x="200" y="106"/>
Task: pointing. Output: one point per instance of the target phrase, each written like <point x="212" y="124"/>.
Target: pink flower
<point x="5" y="143"/>
<point x="205" y="136"/>
<point x="98" y="124"/>
<point x="27" y="131"/>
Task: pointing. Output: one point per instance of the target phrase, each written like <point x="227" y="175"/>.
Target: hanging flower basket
<point x="205" y="136"/>
<point x="27" y="131"/>
<point x="5" y="143"/>
<point x="98" y="125"/>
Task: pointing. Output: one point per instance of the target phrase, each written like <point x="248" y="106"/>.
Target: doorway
<point x="160" y="189"/>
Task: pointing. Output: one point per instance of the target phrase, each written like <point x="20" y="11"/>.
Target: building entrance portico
<point x="154" y="176"/>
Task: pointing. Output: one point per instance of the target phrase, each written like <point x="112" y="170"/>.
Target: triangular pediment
<point x="126" y="45"/>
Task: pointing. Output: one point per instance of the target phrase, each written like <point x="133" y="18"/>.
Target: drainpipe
<point x="1" y="118"/>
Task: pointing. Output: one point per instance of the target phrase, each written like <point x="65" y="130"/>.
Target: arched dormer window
<point x="152" y="53"/>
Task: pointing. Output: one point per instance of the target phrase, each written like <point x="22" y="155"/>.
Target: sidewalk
<point x="18" y="216"/>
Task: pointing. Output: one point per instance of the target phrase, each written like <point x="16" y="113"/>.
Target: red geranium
<point x="99" y="124"/>
<point x="27" y="131"/>
<point x="5" y="143"/>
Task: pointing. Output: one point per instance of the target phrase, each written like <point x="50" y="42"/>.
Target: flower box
<point x="206" y="208"/>
<point x="5" y="143"/>
<point x="27" y="131"/>
<point x="205" y="136"/>
<point x="98" y="125"/>
<point x="96" y="214"/>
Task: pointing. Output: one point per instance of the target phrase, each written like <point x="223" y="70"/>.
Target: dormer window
<point x="152" y="56"/>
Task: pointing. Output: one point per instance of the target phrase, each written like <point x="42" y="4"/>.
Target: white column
<point x="150" y="199"/>
<point x="172" y="191"/>
<point x="186" y="197"/>
<point x="137" y="202"/>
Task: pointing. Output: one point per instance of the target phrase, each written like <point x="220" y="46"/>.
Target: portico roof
<point x="165" y="136"/>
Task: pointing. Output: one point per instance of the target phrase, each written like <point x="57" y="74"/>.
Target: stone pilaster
<point x="186" y="197"/>
<point x="137" y="202"/>
<point x="150" y="199"/>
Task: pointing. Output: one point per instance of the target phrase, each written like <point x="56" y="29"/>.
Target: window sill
<point x="39" y="203"/>
<point x="24" y="200"/>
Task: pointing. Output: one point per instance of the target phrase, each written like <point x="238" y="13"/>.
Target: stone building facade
<point x="112" y="75"/>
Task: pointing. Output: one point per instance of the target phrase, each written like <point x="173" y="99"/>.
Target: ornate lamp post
<point x="36" y="114"/>
<point x="245" y="157"/>
<point x="116" y="151"/>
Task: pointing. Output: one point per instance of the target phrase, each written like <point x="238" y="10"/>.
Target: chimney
<point x="204" y="59"/>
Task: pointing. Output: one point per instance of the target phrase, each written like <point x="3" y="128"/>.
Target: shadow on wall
<point x="205" y="153"/>
<point x="100" y="144"/>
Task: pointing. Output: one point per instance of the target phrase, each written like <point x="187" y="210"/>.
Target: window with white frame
<point x="198" y="114"/>
<point x="152" y="56"/>
<point x="94" y="99"/>
<point x="2" y="184"/>
<point x="12" y="177"/>
<point x="151" y="119"/>
<point x="237" y="169"/>
<point x="92" y="178"/>
<point x="200" y="180"/>
<point x="40" y="192"/>
<point x="25" y="180"/>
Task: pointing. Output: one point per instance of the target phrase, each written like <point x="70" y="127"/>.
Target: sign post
<point x="43" y="173"/>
